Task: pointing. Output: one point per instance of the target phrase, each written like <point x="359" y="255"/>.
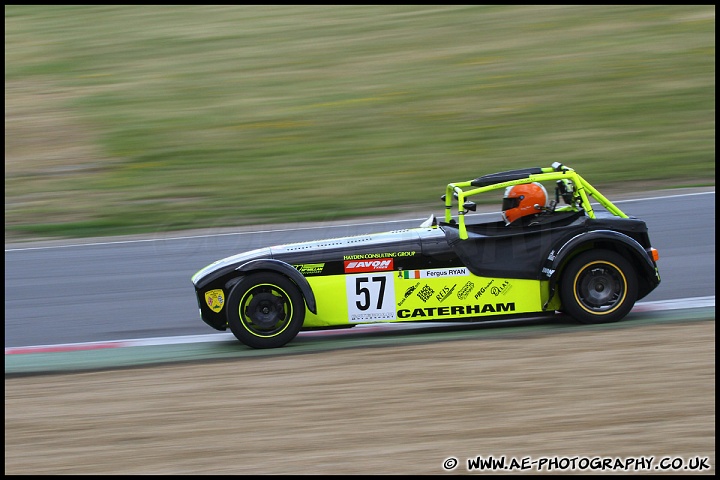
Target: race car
<point x="543" y="256"/>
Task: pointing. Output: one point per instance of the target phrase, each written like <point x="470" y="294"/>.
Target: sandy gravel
<point x="647" y="391"/>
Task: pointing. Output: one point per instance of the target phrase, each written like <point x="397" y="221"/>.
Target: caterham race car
<point x="546" y="255"/>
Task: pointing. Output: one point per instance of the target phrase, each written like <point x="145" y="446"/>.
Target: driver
<point x="523" y="203"/>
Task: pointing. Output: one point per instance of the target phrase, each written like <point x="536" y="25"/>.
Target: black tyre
<point x="598" y="286"/>
<point x="265" y="310"/>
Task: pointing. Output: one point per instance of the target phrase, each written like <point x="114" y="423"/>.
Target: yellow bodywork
<point x="431" y="294"/>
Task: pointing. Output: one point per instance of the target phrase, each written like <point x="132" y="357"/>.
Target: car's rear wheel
<point x="598" y="286"/>
<point x="265" y="310"/>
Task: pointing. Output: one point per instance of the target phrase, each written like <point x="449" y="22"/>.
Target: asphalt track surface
<point x="113" y="292"/>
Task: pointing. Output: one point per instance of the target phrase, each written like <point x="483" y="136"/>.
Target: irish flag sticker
<point x="411" y="274"/>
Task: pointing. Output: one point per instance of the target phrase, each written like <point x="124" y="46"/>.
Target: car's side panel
<point x="331" y="304"/>
<point x="416" y="295"/>
<point x="447" y="293"/>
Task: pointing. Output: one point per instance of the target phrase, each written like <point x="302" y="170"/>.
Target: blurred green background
<point x="139" y="119"/>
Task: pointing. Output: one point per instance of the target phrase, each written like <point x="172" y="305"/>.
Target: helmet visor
<point x="509" y="203"/>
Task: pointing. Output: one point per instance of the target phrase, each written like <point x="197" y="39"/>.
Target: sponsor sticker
<point x="484" y="289"/>
<point x="456" y="310"/>
<point x="445" y="293"/>
<point x="215" y="299"/>
<point x="310" y="268"/>
<point x="436" y="273"/>
<point x="363" y="266"/>
<point x="425" y="293"/>
<point x="503" y="289"/>
<point x="548" y="271"/>
<point x="408" y="292"/>
<point x="465" y="290"/>
<point x="365" y="256"/>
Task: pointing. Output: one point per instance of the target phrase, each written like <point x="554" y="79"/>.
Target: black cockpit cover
<point x="496" y="250"/>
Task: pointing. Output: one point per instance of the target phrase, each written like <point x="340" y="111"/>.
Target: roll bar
<point x="582" y="191"/>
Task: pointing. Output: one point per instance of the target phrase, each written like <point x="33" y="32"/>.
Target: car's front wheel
<point x="265" y="310"/>
<point x="598" y="286"/>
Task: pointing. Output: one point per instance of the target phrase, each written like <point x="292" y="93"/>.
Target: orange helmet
<point x="522" y="200"/>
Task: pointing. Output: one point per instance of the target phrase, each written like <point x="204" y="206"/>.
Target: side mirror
<point x="445" y="196"/>
<point x="564" y="189"/>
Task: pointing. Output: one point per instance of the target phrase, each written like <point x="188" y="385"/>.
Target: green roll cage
<point x="580" y="190"/>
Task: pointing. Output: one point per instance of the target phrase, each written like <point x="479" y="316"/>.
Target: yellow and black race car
<point x="545" y="256"/>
